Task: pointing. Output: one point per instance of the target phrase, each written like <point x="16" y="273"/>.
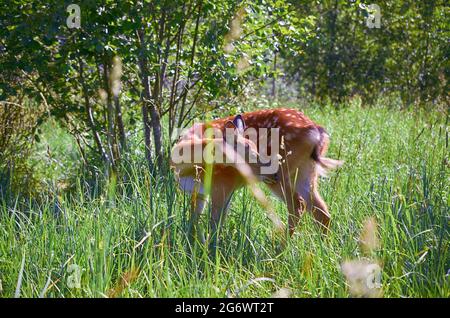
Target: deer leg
<point x="320" y="212"/>
<point x="198" y="202"/>
<point x="307" y="189"/>
<point x="297" y="211"/>
<point x="220" y="200"/>
<point x="294" y="202"/>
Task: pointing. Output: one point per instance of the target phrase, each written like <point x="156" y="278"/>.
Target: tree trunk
<point x="120" y="125"/>
<point x="156" y="126"/>
<point x="175" y="79"/>
<point x="147" y="136"/>
<point x="90" y="116"/>
<point x="151" y="102"/>
<point x="145" y="96"/>
<point x="111" y="136"/>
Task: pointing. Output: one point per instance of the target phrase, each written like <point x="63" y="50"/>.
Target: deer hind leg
<point x="296" y="204"/>
<point x="307" y="189"/>
<point x="198" y="201"/>
<point x="320" y="211"/>
<point x="299" y="209"/>
<point x="221" y="195"/>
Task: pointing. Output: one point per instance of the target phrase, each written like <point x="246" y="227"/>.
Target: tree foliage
<point x="156" y="65"/>
<point x="407" y="55"/>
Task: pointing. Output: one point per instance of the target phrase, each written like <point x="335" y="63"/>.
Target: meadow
<point x="130" y="239"/>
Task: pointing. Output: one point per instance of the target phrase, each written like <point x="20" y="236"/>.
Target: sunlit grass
<point x="396" y="170"/>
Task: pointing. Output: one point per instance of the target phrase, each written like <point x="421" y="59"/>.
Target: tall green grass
<point x="131" y="241"/>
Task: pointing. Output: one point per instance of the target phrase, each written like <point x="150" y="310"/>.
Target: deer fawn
<point x="297" y="147"/>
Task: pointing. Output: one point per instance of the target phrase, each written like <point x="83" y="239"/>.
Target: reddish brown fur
<point x="305" y="144"/>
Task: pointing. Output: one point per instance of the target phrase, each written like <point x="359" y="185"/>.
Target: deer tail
<point x="324" y="165"/>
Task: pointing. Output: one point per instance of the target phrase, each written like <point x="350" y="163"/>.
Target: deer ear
<point x="239" y="123"/>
